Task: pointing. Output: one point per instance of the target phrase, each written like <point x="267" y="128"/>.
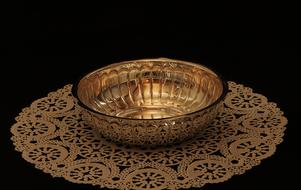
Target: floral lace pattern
<point x="52" y="135"/>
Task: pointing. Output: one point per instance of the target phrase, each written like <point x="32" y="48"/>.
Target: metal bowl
<point x="150" y="101"/>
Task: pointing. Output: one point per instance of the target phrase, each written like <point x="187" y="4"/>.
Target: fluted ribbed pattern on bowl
<point x="149" y="89"/>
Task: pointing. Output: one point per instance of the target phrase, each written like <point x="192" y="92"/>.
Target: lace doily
<point x="52" y="135"/>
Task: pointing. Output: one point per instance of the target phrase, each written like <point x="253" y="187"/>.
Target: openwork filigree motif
<point x="52" y="135"/>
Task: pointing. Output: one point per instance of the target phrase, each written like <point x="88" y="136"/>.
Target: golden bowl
<point x="150" y="101"/>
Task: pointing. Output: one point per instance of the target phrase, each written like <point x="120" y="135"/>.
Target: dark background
<point x="58" y="43"/>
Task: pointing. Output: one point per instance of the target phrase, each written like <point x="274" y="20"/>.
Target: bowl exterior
<point x="152" y="132"/>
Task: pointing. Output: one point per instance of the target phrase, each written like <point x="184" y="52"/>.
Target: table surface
<point x="56" y="49"/>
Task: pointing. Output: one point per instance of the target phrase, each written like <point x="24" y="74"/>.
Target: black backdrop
<point x="57" y="45"/>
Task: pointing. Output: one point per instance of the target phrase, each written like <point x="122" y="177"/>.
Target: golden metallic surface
<point x="128" y="99"/>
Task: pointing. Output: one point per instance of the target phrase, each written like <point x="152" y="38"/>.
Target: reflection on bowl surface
<point x="149" y="90"/>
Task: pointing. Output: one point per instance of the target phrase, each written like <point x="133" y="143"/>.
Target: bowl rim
<point x="74" y="89"/>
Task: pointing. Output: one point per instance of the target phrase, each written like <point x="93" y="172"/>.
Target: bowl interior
<point x="149" y="89"/>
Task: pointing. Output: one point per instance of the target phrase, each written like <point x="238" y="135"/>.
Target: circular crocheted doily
<point x="52" y="135"/>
